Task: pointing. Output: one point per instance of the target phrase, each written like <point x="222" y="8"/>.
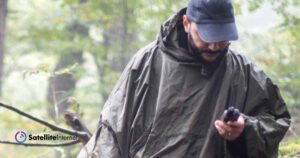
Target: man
<point x="170" y="97"/>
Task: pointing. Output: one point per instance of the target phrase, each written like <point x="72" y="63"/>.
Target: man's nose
<point x="214" y="46"/>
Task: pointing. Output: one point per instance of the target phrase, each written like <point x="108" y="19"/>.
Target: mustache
<point x="204" y="50"/>
<point x="209" y="51"/>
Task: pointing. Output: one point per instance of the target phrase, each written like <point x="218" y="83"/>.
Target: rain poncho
<point x="167" y="100"/>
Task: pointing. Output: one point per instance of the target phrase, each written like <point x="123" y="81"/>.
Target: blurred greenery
<point x="291" y="149"/>
<point x="108" y="33"/>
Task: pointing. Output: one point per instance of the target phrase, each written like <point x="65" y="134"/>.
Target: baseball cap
<point x="214" y="18"/>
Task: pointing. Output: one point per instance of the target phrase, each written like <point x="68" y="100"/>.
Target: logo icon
<point x="20" y="137"/>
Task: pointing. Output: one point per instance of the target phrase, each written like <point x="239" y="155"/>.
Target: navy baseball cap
<point x="214" y="18"/>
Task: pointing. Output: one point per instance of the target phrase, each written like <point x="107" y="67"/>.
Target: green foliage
<point x="254" y="4"/>
<point x="278" y="50"/>
<point x="66" y="70"/>
<point x="290" y="150"/>
<point x="280" y="60"/>
<point x="41" y="68"/>
<point x="75" y="106"/>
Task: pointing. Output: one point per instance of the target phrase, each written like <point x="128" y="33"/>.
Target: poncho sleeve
<point x="105" y="142"/>
<point x="266" y="117"/>
<point x="114" y="134"/>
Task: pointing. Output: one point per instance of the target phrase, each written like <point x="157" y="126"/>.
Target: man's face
<point x="208" y="51"/>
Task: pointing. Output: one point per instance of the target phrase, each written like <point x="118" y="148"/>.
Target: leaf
<point x="43" y="68"/>
<point x="40" y="68"/>
<point x="67" y="70"/>
<point x="74" y="104"/>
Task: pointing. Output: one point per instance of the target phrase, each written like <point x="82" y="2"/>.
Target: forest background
<point x="67" y="55"/>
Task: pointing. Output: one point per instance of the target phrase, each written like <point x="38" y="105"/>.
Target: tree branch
<point x="41" y="144"/>
<point x="76" y="124"/>
<point x="82" y="135"/>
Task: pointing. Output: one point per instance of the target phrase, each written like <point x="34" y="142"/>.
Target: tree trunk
<point x="3" y="14"/>
<point x="102" y="66"/>
<point x="115" y="41"/>
<point x="124" y="33"/>
<point x="62" y="86"/>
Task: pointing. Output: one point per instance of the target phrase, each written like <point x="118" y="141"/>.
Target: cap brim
<point x="217" y="32"/>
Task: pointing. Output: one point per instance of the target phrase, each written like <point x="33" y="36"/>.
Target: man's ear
<point x="186" y="23"/>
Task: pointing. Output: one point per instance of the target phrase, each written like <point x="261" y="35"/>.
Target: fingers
<point x="224" y="131"/>
<point x="240" y="122"/>
<point x="238" y="125"/>
<point x="230" y="130"/>
<point x="220" y="127"/>
<point x="225" y="126"/>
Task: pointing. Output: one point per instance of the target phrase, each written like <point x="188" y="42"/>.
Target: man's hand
<point x="230" y="130"/>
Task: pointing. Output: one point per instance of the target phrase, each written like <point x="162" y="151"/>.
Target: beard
<point x="197" y="49"/>
<point x="201" y="52"/>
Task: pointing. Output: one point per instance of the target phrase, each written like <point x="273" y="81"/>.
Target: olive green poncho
<point x="167" y="100"/>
